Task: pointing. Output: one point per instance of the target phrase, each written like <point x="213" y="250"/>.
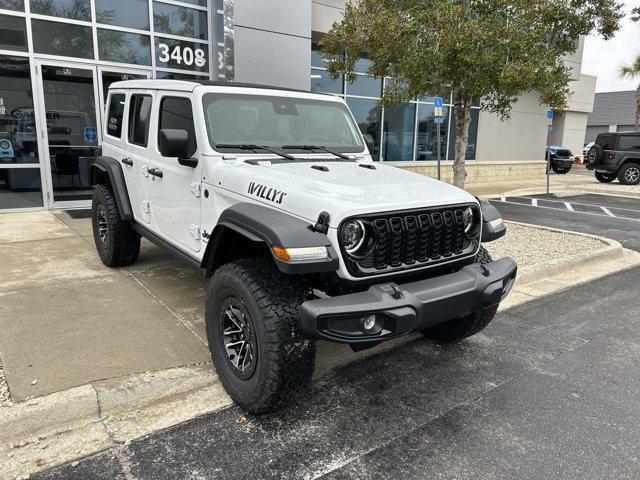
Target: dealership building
<point x="58" y="58"/>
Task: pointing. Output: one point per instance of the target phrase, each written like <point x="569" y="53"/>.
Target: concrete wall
<point x="324" y="13"/>
<point x="272" y="42"/>
<point x="522" y="137"/>
<point x="481" y="172"/>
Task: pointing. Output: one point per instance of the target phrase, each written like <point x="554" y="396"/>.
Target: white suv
<point x="275" y="195"/>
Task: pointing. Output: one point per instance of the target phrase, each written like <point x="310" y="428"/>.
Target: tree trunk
<point x="462" y="114"/>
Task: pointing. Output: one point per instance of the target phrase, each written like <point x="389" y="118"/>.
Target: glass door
<point x="69" y="102"/>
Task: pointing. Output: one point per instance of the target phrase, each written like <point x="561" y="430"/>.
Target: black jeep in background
<point x="616" y="155"/>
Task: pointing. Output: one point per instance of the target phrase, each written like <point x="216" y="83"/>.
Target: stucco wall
<point x="522" y="137"/>
<point x="479" y="172"/>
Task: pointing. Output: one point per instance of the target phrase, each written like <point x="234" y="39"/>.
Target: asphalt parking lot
<point x="605" y="215"/>
<point x="549" y="390"/>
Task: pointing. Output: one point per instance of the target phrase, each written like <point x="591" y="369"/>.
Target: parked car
<point x="561" y="159"/>
<point x="616" y="155"/>
<point x="275" y="195"/>
<point x="585" y="150"/>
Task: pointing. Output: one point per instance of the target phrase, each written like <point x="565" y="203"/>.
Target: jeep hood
<point x="307" y="188"/>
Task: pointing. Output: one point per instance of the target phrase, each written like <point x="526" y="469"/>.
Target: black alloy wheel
<point x="238" y="338"/>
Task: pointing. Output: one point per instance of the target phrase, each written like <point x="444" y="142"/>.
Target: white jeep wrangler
<point x="275" y="195"/>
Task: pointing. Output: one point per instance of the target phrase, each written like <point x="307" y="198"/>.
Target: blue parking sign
<point x="437" y="102"/>
<point x="438" y="119"/>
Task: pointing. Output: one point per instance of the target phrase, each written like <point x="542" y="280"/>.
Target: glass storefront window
<point x="180" y="76"/>
<point x="316" y="58"/>
<point x="20" y="188"/>
<point x="182" y="21"/>
<point x="426" y="142"/>
<point x="124" y="13"/>
<point x="365" y="86"/>
<point x="321" y="81"/>
<point x="473" y="137"/>
<point x="201" y="3"/>
<point x="111" y="77"/>
<point x="367" y="114"/>
<point x="17" y="5"/>
<point x="13" y="33"/>
<point x="62" y="39"/>
<point x="75" y="9"/>
<point x="182" y="55"/>
<point x="18" y="140"/>
<point x="124" y="47"/>
<point x="399" y="122"/>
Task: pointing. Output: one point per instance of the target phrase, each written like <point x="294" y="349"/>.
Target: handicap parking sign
<point x="90" y="134"/>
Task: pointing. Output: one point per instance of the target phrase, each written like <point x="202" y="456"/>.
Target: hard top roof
<point x="189" y="86"/>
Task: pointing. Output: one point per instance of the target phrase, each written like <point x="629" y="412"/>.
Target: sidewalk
<point x="66" y="320"/>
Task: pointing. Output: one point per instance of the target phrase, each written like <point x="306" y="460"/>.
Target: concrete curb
<point x="612" y="250"/>
<point x="46" y="431"/>
<point x="564" y="189"/>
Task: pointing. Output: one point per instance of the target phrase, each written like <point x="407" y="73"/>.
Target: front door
<point x="174" y="190"/>
<point x="70" y="129"/>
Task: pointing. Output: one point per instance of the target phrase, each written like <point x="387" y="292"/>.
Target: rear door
<point x="174" y="189"/>
<point x="136" y="160"/>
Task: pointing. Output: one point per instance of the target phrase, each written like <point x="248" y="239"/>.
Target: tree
<point x="487" y="50"/>
<point x="633" y="71"/>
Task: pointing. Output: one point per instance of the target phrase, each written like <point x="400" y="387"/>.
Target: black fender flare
<point x="109" y="170"/>
<point x="271" y="227"/>
<point x="489" y="214"/>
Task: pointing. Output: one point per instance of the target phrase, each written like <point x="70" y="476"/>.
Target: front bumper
<point x="402" y="309"/>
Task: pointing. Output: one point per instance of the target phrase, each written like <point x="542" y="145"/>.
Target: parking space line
<point x="607" y="211"/>
<point x="553" y="208"/>
<point x="569" y="207"/>
<point x="534" y="202"/>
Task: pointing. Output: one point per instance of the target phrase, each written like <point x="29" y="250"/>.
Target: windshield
<point x="234" y="119"/>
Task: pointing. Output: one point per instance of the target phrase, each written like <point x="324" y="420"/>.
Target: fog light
<point x="372" y="325"/>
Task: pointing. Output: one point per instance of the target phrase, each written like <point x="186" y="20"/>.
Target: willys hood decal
<point x="342" y="188"/>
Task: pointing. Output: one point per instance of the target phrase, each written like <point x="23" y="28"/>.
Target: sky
<point x="603" y="58"/>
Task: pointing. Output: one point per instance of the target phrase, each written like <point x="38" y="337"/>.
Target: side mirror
<point x="368" y="138"/>
<point x="175" y="143"/>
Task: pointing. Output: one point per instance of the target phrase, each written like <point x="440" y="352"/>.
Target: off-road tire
<point x="629" y="174"/>
<point x="285" y="358"/>
<point x="605" y="177"/>
<point x="595" y="156"/>
<point x="121" y="244"/>
<point x="560" y="170"/>
<point x="458" y="329"/>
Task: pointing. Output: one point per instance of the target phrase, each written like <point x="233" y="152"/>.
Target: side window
<point x="139" y="116"/>
<point x="176" y="113"/>
<point x="630" y="142"/>
<point x="114" y="115"/>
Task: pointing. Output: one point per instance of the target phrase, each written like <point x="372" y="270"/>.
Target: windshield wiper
<point x="248" y="146"/>
<point x="317" y="147"/>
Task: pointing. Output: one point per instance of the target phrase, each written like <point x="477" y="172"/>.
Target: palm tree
<point x="633" y="71"/>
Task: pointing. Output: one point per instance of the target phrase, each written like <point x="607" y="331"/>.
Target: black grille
<point x="413" y="239"/>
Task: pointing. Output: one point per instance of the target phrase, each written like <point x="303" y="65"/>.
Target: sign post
<point x="549" y="130"/>
<point x="438" y="119"/>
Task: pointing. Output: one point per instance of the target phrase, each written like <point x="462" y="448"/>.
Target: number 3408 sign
<point x="181" y="55"/>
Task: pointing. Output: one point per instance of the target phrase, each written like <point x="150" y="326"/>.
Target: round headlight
<point x="5" y="144"/>
<point x="468" y="220"/>
<point x="352" y="236"/>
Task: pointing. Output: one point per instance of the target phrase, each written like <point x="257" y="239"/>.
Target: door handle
<point x="127" y="161"/>
<point x="155" y="172"/>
